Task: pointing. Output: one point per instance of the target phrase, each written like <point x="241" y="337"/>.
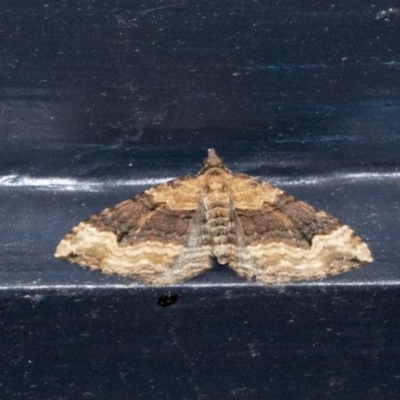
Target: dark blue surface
<point x="247" y="343"/>
<point x="100" y="100"/>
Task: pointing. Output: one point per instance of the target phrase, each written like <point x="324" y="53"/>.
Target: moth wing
<point x="143" y="238"/>
<point x="284" y="239"/>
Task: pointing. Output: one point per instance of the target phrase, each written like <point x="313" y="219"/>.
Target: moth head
<point x="212" y="161"/>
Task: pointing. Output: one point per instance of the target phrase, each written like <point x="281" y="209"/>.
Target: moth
<point x="172" y="232"/>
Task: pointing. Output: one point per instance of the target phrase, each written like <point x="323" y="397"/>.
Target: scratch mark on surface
<point x="149" y="10"/>
<point x="176" y="341"/>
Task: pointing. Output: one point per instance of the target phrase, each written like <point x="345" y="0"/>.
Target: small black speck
<point x="168" y="300"/>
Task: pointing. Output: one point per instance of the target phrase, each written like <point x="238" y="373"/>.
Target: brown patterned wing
<point x="143" y="238"/>
<point x="168" y="233"/>
<point x="288" y="240"/>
